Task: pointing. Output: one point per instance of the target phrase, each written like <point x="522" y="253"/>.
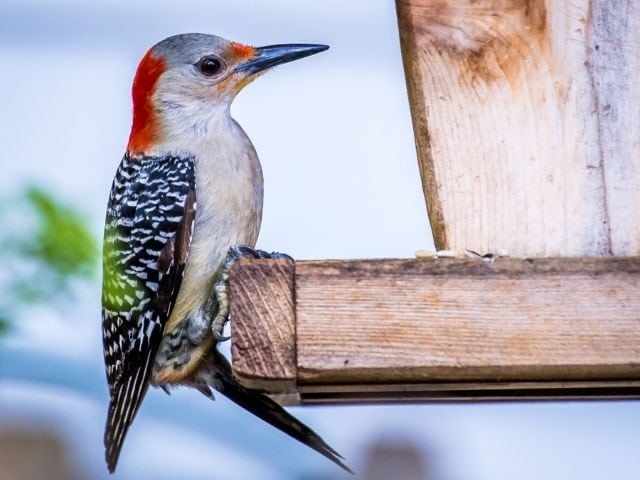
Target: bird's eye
<point x="209" y="66"/>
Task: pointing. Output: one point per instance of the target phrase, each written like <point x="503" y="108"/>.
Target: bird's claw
<point x="221" y="287"/>
<point x="217" y="327"/>
<point x="243" y="251"/>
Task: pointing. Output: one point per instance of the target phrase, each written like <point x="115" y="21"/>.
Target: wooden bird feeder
<point x="526" y="116"/>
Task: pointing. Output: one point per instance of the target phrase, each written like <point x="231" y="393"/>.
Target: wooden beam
<point x="264" y="350"/>
<point x="526" y="116"/>
<point x="439" y="329"/>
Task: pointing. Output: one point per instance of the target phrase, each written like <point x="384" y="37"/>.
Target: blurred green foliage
<point x="46" y="247"/>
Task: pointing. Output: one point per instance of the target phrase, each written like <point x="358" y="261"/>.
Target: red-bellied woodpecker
<point x="185" y="202"/>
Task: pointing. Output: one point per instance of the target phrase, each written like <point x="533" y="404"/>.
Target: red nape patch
<point x="144" y="130"/>
<point x="241" y="51"/>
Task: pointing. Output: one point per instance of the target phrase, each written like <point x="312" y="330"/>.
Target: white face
<point x="186" y="84"/>
<point x="199" y="83"/>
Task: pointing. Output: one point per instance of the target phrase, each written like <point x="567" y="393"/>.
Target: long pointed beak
<point x="272" y="55"/>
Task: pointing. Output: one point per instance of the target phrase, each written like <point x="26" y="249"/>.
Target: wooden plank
<point x="263" y="326"/>
<point x="526" y="116"/>
<point x="444" y="329"/>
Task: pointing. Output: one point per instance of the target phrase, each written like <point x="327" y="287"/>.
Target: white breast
<point x="229" y="194"/>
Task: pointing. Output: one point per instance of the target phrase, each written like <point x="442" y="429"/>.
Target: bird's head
<point x="184" y="82"/>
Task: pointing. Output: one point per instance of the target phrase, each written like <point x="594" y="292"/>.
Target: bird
<point x="185" y="204"/>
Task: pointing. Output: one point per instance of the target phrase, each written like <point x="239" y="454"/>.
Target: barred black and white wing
<point x="148" y="230"/>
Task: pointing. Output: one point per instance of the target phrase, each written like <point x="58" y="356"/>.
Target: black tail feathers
<point x="268" y="410"/>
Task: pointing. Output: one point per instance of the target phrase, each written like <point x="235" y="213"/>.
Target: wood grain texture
<point x="452" y="329"/>
<point x="445" y="320"/>
<point x="527" y="118"/>
<point x="263" y="324"/>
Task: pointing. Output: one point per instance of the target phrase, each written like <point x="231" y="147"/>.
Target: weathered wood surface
<point x="439" y="329"/>
<point x="263" y="350"/>
<point x="527" y="122"/>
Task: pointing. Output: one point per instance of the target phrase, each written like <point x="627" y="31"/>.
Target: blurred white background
<point x="334" y="135"/>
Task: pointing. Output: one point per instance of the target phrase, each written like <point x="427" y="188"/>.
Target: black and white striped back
<point x="146" y="241"/>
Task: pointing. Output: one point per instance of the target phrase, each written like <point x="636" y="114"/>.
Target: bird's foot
<point x="221" y="287"/>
